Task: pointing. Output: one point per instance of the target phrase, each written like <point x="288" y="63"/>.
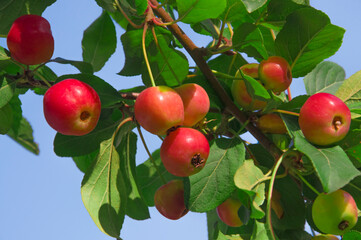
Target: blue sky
<point x="40" y="195"/>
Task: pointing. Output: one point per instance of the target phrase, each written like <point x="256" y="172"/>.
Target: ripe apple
<point x="184" y="152"/>
<point x="334" y="213"/>
<point x="275" y="74"/>
<point x="271" y="123"/>
<point x="158" y="109"/>
<point x="325" y="237"/>
<point x="324" y="119"/>
<point x="195" y="101"/>
<point x="239" y="89"/>
<point x="72" y="107"/>
<point x="169" y="200"/>
<point x="228" y="212"/>
<point x="30" y="40"/>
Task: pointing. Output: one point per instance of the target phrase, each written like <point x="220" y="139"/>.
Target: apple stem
<point x="126" y="16"/>
<point x="150" y="155"/>
<point x="224" y="21"/>
<point x="145" y="55"/>
<point x="43" y="79"/>
<point x="289" y="94"/>
<point x="307" y="183"/>
<point x="286" y="112"/>
<point x="269" y="196"/>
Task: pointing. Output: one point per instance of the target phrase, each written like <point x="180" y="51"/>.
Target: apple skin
<point x="324" y="119"/>
<point x="30" y="40"/>
<point x="195" y="101"/>
<point x="275" y="74"/>
<point x="169" y="200"/>
<point x="184" y="152"/>
<point x="72" y="107"/>
<point x="239" y="89"/>
<point x="228" y="212"/>
<point x="331" y="210"/>
<point x="325" y="237"/>
<point x="158" y="109"/>
<point x="271" y="123"/>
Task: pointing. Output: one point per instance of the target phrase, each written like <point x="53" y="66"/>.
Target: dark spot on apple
<point x="197" y="161"/>
<point x="343" y="225"/>
<point x="84" y="115"/>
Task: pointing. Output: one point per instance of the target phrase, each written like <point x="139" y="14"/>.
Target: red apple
<point x="228" y="212"/>
<point x="325" y="237"/>
<point x="334" y="213"/>
<point x="158" y="109"/>
<point x="239" y="89"/>
<point x="275" y="74"/>
<point x="324" y="119"/>
<point x="72" y="107"/>
<point x="30" y="40"/>
<point x="195" y="101"/>
<point x="169" y="200"/>
<point x="184" y="152"/>
<point x="271" y="123"/>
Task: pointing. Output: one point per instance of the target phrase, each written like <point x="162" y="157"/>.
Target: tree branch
<point x="197" y="54"/>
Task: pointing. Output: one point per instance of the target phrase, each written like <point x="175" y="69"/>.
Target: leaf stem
<point x="354" y="186"/>
<point x="286" y="112"/>
<point x="150" y="155"/>
<point x="145" y="55"/>
<point x="308" y="184"/>
<point x="269" y="196"/>
<point x="126" y="16"/>
<point x="43" y="79"/>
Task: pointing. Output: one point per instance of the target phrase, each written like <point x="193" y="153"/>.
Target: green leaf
<point x="306" y="39"/>
<point x="331" y="164"/>
<point x="99" y="41"/>
<point x="326" y="77"/>
<point x="136" y="207"/>
<point x="193" y="11"/>
<point x="278" y="10"/>
<point x="141" y="6"/>
<point x="297" y="234"/>
<point x="73" y="146"/>
<point x="107" y="94"/>
<point x="85" y="161"/>
<point x="83" y="67"/>
<point x="259" y="232"/>
<point x="4" y="54"/>
<point x="253" y="5"/>
<point x="17" y="113"/>
<point x="7" y="88"/>
<point x="214" y="184"/>
<point x="351" y="235"/>
<point x="350" y="90"/>
<point x="103" y="190"/>
<point x="351" y="144"/>
<point x="6" y="118"/>
<point x="24" y="136"/>
<point x="11" y="10"/>
<point x="150" y="176"/>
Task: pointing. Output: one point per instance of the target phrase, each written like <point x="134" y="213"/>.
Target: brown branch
<point x="197" y="54"/>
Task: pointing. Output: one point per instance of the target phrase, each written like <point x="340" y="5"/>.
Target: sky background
<point x="40" y="195"/>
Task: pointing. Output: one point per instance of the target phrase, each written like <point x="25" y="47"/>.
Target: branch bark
<point x="198" y="56"/>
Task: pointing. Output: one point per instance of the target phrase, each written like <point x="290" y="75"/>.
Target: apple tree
<point x="199" y="100"/>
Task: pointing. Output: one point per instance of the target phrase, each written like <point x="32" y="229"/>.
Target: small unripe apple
<point x="169" y="200"/>
<point x="271" y="123"/>
<point x="228" y="212"/>
<point x="158" y="109"/>
<point x="239" y="89"/>
<point x="334" y="213"/>
<point x="184" y="152"/>
<point x="72" y="107"/>
<point x="324" y="119"/>
<point x="325" y="237"/>
<point x="275" y="74"/>
<point x="30" y="40"/>
<point x="195" y="101"/>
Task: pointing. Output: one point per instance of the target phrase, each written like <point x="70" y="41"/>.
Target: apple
<point x="195" y="101"/>
<point x="72" y="107"/>
<point x="239" y="89"/>
<point x="275" y="74"/>
<point x="228" y="212"/>
<point x="324" y="119"/>
<point x="334" y="213"/>
<point x="325" y="237"/>
<point x="30" y="40"/>
<point x="184" y="152"/>
<point x="271" y="123"/>
<point x="158" y="109"/>
<point x="169" y="200"/>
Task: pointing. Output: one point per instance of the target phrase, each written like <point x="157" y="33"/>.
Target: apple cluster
<point x="162" y="110"/>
